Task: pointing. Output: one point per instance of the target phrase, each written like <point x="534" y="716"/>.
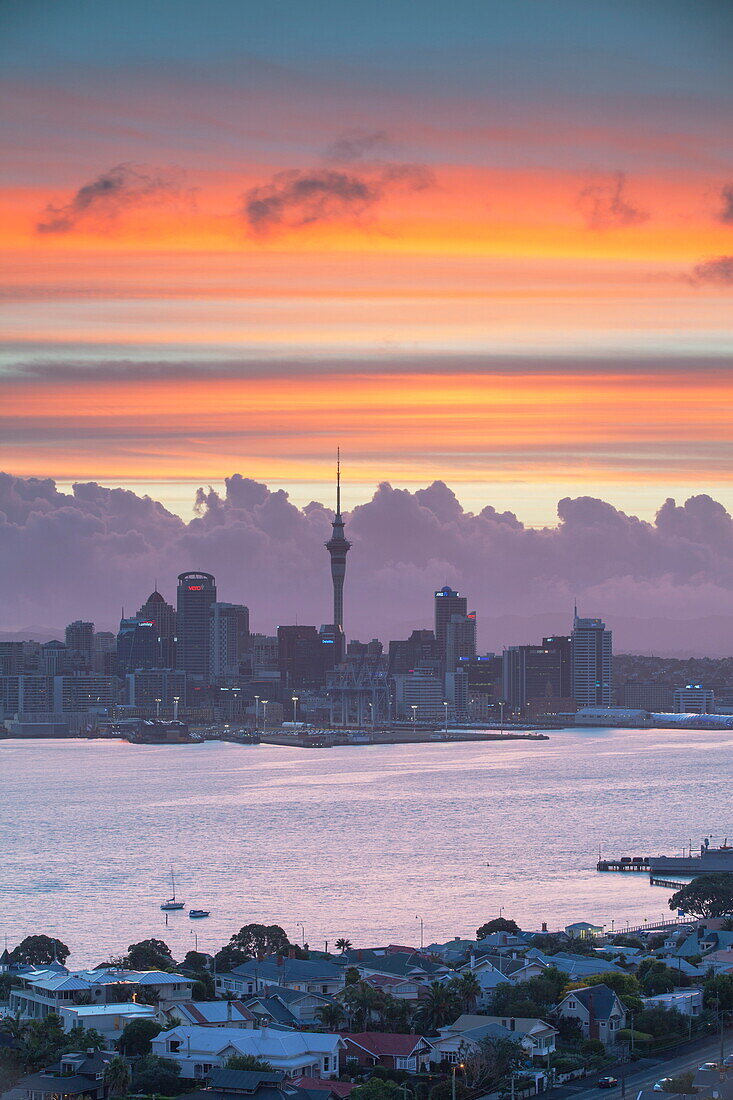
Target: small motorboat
<point x="172" y="902"/>
<point x="198" y="914"/>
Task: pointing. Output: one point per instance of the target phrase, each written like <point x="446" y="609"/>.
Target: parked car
<point x="707" y="1066"/>
<point x="728" y="1062"/>
<point x="607" y="1082"/>
<point x="661" y="1085"/>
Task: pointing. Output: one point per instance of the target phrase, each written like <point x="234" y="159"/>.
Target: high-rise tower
<point x="196" y="593"/>
<point x="338" y="547"/>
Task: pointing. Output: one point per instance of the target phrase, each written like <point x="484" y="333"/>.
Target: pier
<point x="626" y="863"/>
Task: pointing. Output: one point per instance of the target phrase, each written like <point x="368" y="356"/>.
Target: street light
<point x="422" y="941"/>
<point x="413" y="708"/>
<point x="458" y="1065"/>
<point x="176" y="701"/>
<point x="445" y="711"/>
<point x="301" y="926"/>
<point x="157" y="707"/>
<point x="295" y="708"/>
<point x="264" y="714"/>
<point x="257" y="712"/>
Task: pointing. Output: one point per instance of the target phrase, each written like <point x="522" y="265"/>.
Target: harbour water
<point x="355" y="841"/>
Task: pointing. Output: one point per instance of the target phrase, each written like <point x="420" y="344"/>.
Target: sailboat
<point x="171" y="902"/>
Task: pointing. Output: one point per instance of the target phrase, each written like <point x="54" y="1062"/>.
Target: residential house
<point x="582" y="930"/>
<point x="232" y="1084"/>
<point x="577" y="967"/>
<point x="109" y="1020"/>
<point x="396" y="964"/>
<point x="213" y="1014"/>
<point x="301" y="1006"/>
<point x="316" y="1087"/>
<point x="503" y="942"/>
<point x="199" y="1050"/>
<point x="703" y="941"/>
<point x="452" y="1041"/>
<point x="378" y="1048"/>
<point x="536" y="1037"/>
<point x="598" y="1010"/>
<point x="46" y="989"/>
<point x="304" y="975"/>
<point x="686" y="1001"/>
<point x="74" y="1075"/>
<point x="403" y="989"/>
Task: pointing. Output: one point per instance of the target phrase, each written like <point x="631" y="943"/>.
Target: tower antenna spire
<point x="338" y="481"/>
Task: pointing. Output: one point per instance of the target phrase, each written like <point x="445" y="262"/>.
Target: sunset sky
<point x="486" y="242"/>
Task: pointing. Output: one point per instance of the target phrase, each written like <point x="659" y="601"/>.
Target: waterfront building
<point x="25" y="694"/>
<point x="338" y="547"/>
<point x="637" y="695"/>
<point x="80" y="643"/>
<point x="447" y="603"/>
<point x="84" y="691"/>
<point x="592" y="662"/>
<point x="146" y="686"/>
<point x="456" y="693"/>
<point x="195" y="594"/>
<point x="532" y="675"/>
<point x="419" y="697"/>
<point x="229" y="640"/>
<point x="563" y="644"/>
<point x="694" y="699"/>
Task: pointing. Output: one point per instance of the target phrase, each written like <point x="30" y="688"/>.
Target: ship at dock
<point x="710" y="861"/>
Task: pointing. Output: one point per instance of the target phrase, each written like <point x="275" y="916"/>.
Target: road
<point x="644" y="1074"/>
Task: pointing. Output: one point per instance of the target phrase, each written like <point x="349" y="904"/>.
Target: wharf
<point x="335" y="737"/>
<point x="626" y="863"/>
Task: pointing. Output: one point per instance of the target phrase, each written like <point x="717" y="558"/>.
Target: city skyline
<point x="464" y="243"/>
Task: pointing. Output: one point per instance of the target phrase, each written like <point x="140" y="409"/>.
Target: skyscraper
<point x="229" y="640"/>
<point x="460" y="639"/>
<point x="592" y="660"/>
<point x="163" y="616"/>
<point x="80" y="642"/>
<point x="447" y="604"/>
<point x="338" y="547"/>
<point x="196" y="593"/>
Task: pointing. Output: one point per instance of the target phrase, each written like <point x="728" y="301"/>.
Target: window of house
<point x="325" y="1065"/>
<point x="324" y="989"/>
<point x="174" y="1045"/>
<point x="572" y="1004"/>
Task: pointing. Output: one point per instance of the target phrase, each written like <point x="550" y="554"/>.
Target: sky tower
<point x="338" y="547"/>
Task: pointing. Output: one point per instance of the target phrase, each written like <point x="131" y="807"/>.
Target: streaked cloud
<point x="100" y="202"/>
<point x="718" y="271"/>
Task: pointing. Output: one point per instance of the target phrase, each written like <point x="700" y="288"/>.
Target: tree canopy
<point x="137" y="1036"/>
<point x="497" y="924"/>
<point x="708" y="896"/>
<point x="39" y="949"/>
<point x="377" y="1089"/>
<point x="154" y="1074"/>
<point x="247" y="1061"/>
<point x="149" y="954"/>
<point x="252" y="940"/>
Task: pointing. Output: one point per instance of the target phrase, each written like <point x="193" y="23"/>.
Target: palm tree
<point x="117" y="1077"/>
<point x="438" y="1008"/>
<point x="361" y="1000"/>
<point x="343" y="944"/>
<point x="467" y="989"/>
<point x="330" y="1016"/>
<point x="15" y="1026"/>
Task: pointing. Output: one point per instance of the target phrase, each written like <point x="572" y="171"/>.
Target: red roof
<point x="339" y="1088"/>
<point x="381" y="1043"/>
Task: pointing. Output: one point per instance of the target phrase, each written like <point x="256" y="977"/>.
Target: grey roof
<point x="289" y="996"/>
<point x="244" y="1080"/>
<point x="603" y="999"/>
<point x="274" y="1008"/>
<point x="399" y="963"/>
<point x="288" y="970"/>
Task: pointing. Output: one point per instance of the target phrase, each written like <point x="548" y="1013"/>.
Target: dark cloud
<point x="118" y="189"/>
<point x="726" y="211"/>
<point x="718" y="271"/>
<point x="359" y="145"/>
<point x="354" y="180"/>
<point x="605" y="206"/>
<point x="85" y="553"/>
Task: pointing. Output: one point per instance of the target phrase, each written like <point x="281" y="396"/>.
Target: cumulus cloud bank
<point x="118" y="189"/>
<point x="86" y="553"/>
<point x="605" y="205"/>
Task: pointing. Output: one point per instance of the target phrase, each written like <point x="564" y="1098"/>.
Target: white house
<point x="199" y="1050"/>
<point x="302" y="975"/>
<point x="46" y="989"/>
<point x="108" y="1020"/>
<point x="686" y="1001"/>
<point x="536" y="1037"/>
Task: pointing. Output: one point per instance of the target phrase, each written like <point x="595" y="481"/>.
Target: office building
<point x="447" y="604"/>
<point x="592" y="662"/>
<point x="25" y="694"/>
<point x="163" y="616"/>
<point x="12" y="658"/>
<point x="195" y="595"/>
<point x="229" y="640"/>
<point x="146" y="687"/>
<point x="338" y="547"/>
<point x="137" y="645"/>
<point x="54" y="659"/>
<point x="84" y="691"/>
<point x="694" y="699"/>
<point x="639" y="695"/>
<point x="419" y="650"/>
<point x="80" y="643"/>
<point x="419" y="697"/>
<point x="564" y="646"/>
<point x="301" y="657"/>
<point x="532" y="675"/>
<point x="460" y="639"/>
